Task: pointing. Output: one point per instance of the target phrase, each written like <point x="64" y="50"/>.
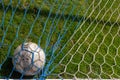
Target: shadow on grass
<point x="34" y="11"/>
<point x="7" y="69"/>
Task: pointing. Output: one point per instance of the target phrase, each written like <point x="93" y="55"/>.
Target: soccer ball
<point x="28" y="59"/>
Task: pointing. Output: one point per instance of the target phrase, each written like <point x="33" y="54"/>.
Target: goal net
<point x="81" y="38"/>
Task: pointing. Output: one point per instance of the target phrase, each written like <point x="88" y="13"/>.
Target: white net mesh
<point x="95" y="45"/>
<point x="81" y="38"/>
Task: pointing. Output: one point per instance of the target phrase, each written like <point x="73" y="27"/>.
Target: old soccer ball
<point x="29" y="59"/>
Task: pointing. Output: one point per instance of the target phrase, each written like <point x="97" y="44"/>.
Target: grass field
<point x="90" y="47"/>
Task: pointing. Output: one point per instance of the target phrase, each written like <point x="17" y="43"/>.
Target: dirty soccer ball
<point x="29" y="59"/>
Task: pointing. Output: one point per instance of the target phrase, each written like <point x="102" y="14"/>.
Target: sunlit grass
<point x="96" y="54"/>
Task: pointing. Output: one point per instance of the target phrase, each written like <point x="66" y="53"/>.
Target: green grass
<point x="95" y="55"/>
